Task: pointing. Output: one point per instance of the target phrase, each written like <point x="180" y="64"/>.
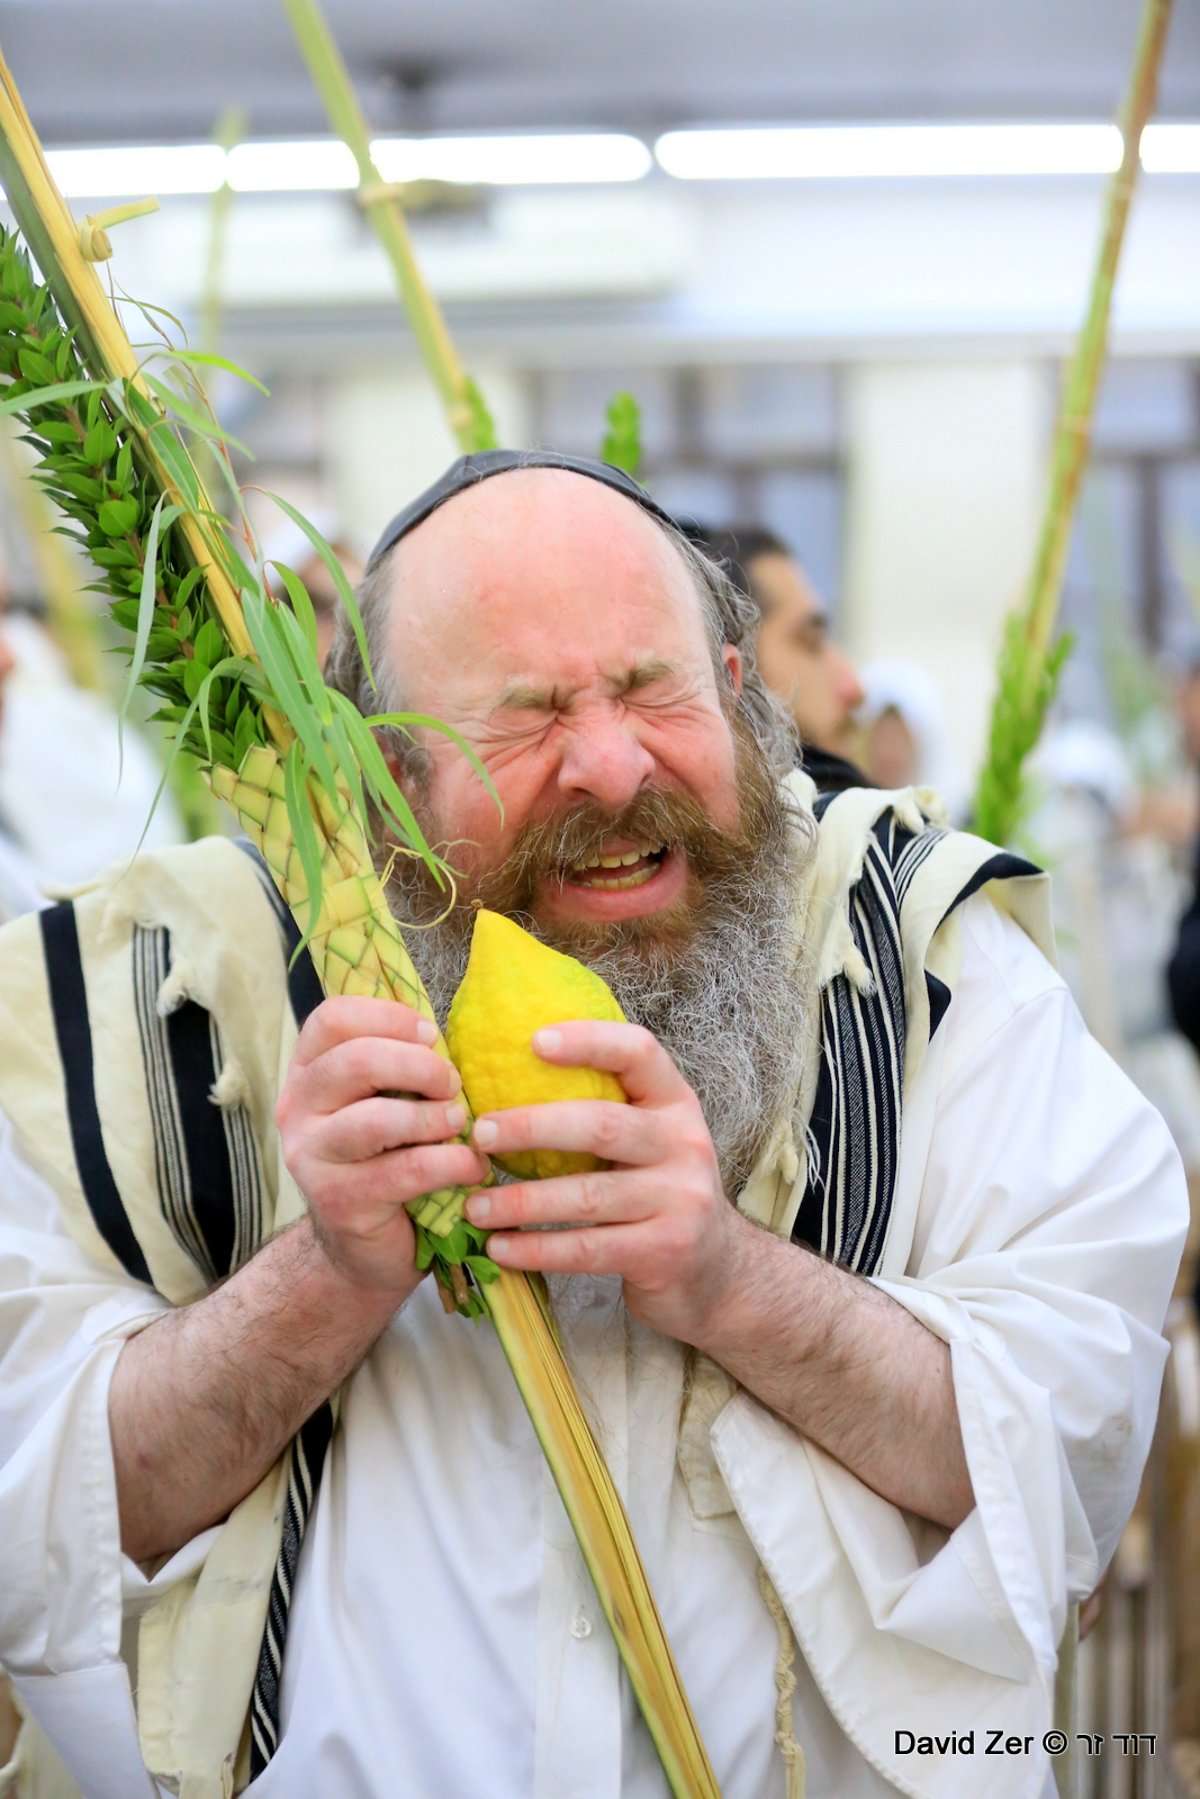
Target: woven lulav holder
<point x="356" y="946"/>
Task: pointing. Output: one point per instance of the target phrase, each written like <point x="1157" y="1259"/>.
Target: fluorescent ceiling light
<point x="513" y="161"/>
<point x="312" y="164"/>
<point x="135" y="170"/>
<point x="306" y="165"/>
<point x="1171" y="149"/>
<point x="882" y="152"/>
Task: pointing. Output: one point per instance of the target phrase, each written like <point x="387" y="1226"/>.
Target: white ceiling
<point x="157" y="70"/>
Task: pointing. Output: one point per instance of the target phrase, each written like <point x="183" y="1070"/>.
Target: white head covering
<point x="1083" y="756"/>
<point x="893" y="684"/>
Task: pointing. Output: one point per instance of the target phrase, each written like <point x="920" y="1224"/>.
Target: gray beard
<point x="732" y="1005"/>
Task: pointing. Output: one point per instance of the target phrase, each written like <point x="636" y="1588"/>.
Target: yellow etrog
<point x="513" y="986"/>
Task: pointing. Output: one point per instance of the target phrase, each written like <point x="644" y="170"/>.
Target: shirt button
<point x="581" y="1625"/>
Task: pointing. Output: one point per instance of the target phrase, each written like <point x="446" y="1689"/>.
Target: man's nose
<point x="850" y="688"/>
<point x="603" y="761"/>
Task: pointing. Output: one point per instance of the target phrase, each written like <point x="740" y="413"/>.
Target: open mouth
<point x="613" y="873"/>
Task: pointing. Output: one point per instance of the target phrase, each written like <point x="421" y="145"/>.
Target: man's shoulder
<point x="207" y="910"/>
<point x="1002" y="972"/>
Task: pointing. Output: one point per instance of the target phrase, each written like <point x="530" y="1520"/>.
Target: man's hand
<point x="831" y="1354"/>
<point x="358" y="1153"/>
<point x="202" y="1402"/>
<point x="657" y="1216"/>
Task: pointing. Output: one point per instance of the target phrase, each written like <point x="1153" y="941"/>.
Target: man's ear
<point x="731" y="656"/>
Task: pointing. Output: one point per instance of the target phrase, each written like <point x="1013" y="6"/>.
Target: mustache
<point x="547" y="849"/>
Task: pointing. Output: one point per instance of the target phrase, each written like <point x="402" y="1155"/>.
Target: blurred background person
<point x="798" y="657"/>
<point x="903" y="739"/>
<point x="1183" y="968"/>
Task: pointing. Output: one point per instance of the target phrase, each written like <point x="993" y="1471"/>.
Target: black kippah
<point x="468" y="471"/>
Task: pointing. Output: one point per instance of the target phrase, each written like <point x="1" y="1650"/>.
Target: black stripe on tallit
<point x="308" y="1447"/>
<point x="875" y="1070"/>
<point x="194" y="1074"/>
<point x="885" y="1017"/>
<point x="304" y="1477"/>
<point x="854" y="1126"/>
<point x="1003" y="866"/>
<point x="304" y="989"/>
<point x="68" y="1002"/>
<point x="911" y="853"/>
<point x="150" y="961"/>
<point x="249" y="1218"/>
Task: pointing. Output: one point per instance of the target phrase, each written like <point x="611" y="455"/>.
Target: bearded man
<point x="877" y="1398"/>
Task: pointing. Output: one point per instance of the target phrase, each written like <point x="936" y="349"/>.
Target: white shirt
<point x="444" y="1638"/>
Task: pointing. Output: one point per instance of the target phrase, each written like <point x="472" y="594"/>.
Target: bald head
<point x="529" y="557"/>
<point x="509" y="583"/>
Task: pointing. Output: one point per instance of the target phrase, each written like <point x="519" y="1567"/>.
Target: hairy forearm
<point x="204" y="1400"/>
<point x="847" y="1366"/>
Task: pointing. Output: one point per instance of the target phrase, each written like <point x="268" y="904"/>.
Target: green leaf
<point x="203" y="427"/>
<point x="304" y="834"/>
<point x="246" y="732"/>
<point x="203" y="699"/>
<point x="125" y="613"/>
<point x="51" y="394"/>
<point x="346" y="760"/>
<point x="289" y="696"/>
<point x="187" y="587"/>
<point x="176" y="746"/>
<point x="99" y="444"/>
<point x="64" y="357"/>
<point x="405" y="721"/>
<point x="162" y="517"/>
<point x="381" y="784"/>
<point x="114" y="556"/>
<point x="36" y="367"/>
<point x="58" y="432"/>
<point x="208" y="359"/>
<point x="150" y="313"/>
<point x="483" y="426"/>
<point x="337" y="574"/>
<point x="303" y="654"/>
<point x="118" y="518"/>
<point x="622" y="444"/>
<point x="82" y="487"/>
<point x="209" y="643"/>
<point x="15" y="277"/>
<point x="302" y="605"/>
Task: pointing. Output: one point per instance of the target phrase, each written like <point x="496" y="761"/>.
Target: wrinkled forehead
<point x="539" y="555"/>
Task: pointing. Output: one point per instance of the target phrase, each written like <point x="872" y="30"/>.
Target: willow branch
<point x="465" y="414"/>
<point x="1073" y="435"/>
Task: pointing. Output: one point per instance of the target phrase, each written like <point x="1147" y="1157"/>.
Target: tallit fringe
<point x="175" y="989"/>
<point x="231" y="1088"/>
<point x="785" y="1686"/>
<point x="841" y="955"/>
